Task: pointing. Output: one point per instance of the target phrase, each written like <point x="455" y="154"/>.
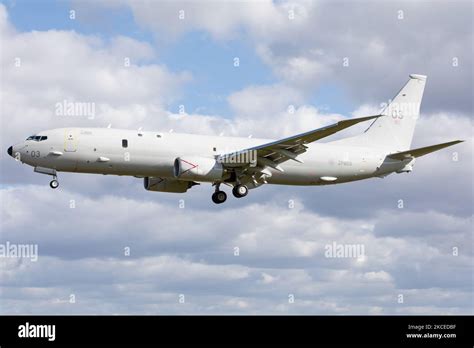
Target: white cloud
<point x="221" y="19"/>
<point x="268" y="279"/>
<point x="377" y="276"/>
<point x="264" y="100"/>
<point x="136" y="51"/>
<point x="309" y="46"/>
<point x="85" y="250"/>
<point x="37" y="75"/>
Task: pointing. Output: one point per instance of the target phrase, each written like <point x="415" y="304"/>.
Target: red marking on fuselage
<point x="191" y="164"/>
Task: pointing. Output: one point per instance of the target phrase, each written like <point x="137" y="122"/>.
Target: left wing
<point x="274" y="153"/>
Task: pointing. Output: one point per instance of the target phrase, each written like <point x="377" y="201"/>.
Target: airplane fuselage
<point x="152" y="154"/>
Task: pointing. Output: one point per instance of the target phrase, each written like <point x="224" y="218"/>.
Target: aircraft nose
<point x="10" y="151"/>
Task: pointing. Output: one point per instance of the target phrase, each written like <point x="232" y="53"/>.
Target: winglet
<point x="353" y="121"/>
<point x="418" y="77"/>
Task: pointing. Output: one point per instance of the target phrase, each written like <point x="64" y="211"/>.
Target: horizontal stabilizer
<point x="421" y="151"/>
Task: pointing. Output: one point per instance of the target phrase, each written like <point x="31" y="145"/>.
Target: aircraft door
<point x="70" y="140"/>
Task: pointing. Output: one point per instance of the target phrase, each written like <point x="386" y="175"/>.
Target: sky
<point x="266" y="69"/>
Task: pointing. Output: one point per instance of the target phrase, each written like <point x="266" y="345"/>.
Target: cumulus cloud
<point x="309" y="43"/>
<point x="79" y="68"/>
<point x="222" y="20"/>
<point x="196" y="258"/>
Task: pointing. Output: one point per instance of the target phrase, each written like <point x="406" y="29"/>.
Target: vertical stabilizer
<point x="396" y="130"/>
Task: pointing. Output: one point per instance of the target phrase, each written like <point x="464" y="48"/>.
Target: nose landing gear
<point x="54" y="183"/>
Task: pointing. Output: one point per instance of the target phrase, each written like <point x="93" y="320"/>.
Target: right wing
<point x="288" y="148"/>
<point x="276" y="152"/>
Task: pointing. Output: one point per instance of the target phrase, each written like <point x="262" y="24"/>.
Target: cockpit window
<point x="37" y="137"/>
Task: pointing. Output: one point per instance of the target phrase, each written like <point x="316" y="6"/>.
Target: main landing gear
<point x="219" y="197"/>
<point x="238" y="191"/>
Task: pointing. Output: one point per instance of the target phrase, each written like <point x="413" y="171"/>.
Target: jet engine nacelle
<point x="166" y="185"/>
<point x="198" y="168"/>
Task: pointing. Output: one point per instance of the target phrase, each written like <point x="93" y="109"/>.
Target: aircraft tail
<point x="396" y="129"/>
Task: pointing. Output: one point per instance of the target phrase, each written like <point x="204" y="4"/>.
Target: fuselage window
<point x="124" y="143"/>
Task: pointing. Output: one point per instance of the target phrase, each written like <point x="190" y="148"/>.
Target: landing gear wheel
<point x="54" y="184"/>
<point x="240" y="191"/>
<point x="219" y="197"/>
